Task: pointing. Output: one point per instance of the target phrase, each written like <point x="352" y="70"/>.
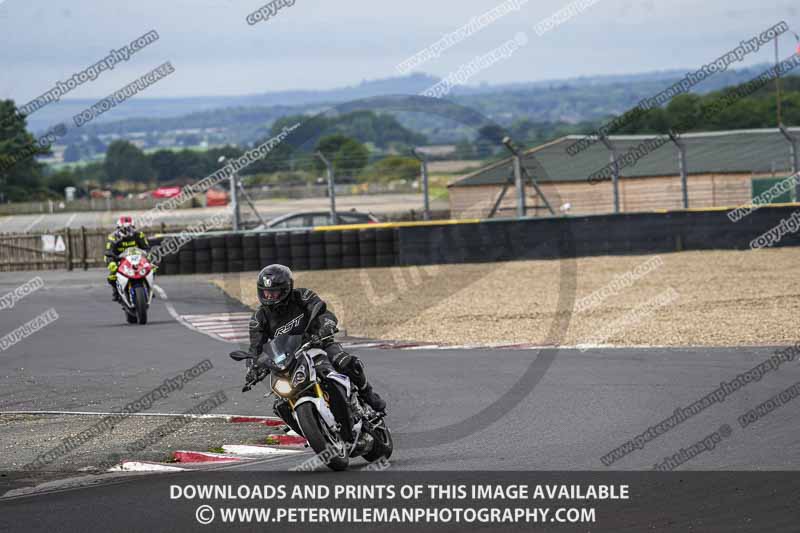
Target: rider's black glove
<point x="256" y="371"/>
<point x="260" y="364"/>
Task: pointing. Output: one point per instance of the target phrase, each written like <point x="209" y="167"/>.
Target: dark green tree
<point x="126" y="162"/>
<point x="20" y="173"/>
<point x="60" y="180"/>
<point x="347" y="155"/>
<point x="165" y="165"/>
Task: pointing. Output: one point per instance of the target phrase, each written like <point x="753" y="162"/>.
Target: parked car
<point x="310" y="219"/>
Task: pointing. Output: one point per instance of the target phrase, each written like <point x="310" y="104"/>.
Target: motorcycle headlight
<point x="282" y="387"/>
<point x="127" y="270"/>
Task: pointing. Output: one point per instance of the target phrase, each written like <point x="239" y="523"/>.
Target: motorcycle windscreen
<point x="128" y="252"/>
<point x="280" y="350"/>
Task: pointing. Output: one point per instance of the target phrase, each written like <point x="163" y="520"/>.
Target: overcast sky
<point x="326" y="44"/>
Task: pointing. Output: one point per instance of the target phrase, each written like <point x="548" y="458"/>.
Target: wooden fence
<point x="65" y="249"/>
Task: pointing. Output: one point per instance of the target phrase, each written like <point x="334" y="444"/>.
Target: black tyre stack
<point x="233" y="249"/>
<point x="267" y="251"/>
<point x="186" y="258"/>
<point x="349" y="247"/>
<point x="316" y="250"/>
<point x="300" y="250"/>
<point x="219" y="257"/>
<point x="367" y="248"/>
<point x="202" y="255"/>
<point x="385" y="247"/>
<point x="251" y="252"/>
<point x="298" y="244"/>
<point x="169" y="262"/>
<point x="333" y="248"/>
<point x="283" y="249"/>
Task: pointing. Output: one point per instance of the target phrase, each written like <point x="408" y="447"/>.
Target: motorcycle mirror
<point x="241" y="355"/>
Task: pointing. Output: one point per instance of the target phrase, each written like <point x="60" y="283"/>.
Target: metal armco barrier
<point x="406" y="244"/>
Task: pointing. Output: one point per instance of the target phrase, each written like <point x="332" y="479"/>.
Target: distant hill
<point x="243" y="119"/>
<point x="151" y="108"/>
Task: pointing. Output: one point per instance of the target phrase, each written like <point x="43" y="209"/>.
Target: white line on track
<point x="32" y="224"/>
<point x="69" y="221"/>
<point x="245" y="450"/>
<point x="171" y="309"/>
<point x="140" y="466"/>
<point x="227" y="327"/>
<point x="6" y="220"/>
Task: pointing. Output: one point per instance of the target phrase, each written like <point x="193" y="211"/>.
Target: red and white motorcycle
<point x="135" y="276"/>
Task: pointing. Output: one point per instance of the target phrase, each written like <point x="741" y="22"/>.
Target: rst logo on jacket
<point x="289" y="326"/>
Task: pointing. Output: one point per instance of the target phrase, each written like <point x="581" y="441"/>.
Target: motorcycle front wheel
<point x="141" y="304"/>
<point x="319" y="438"/>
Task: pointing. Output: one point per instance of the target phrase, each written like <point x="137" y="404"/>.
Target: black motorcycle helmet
<point x="275" y="282"/>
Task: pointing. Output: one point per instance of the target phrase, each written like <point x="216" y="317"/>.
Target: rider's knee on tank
<point x="348" y="363"/>
<point x="352" y="367"/>
<point x="341" y="359"/>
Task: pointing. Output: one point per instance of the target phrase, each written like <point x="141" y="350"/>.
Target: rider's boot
<point x="372" y="398"/>
<point x="115" y="293"/>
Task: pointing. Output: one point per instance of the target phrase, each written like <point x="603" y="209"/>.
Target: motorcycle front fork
<point x="284" y="412"/>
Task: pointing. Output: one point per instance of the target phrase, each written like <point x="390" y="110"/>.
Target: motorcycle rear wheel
<point x="131" y="318"/>
<point x="315" y="435"/>
<point x="382" y="447"/>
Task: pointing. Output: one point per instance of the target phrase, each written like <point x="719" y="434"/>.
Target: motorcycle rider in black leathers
<point x="125" y="236"/>
<point x="285" y="310"/>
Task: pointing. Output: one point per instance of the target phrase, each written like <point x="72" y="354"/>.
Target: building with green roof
<point x="722" y="169"/>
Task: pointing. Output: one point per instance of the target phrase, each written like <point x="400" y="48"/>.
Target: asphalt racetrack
<point x="451" y="410"/>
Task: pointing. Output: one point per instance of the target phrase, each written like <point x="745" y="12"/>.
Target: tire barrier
<point x="483" y="241"/>
<point x="202" y="256"/>
<point x="267" y="252"/>
<point x="332" y="249"/>
<point x="219" y="262"/>
<point x="316" y="250"/>
<point x="283" y="250"/>
<point x="298" y="251"/>
<point x="187" y="258"/>
<point x="631" y="233"/>
<point x="251" y="252"/>
<point x="351" y="256"/>
<point x="367" y="248"/>
<point x="169" y="264"/>
<point x="233" y="249"/>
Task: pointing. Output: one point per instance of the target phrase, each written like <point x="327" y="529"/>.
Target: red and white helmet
<point x="125" y="225"/>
